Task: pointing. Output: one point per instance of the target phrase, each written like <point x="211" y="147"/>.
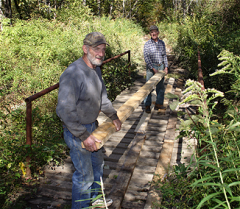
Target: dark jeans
<point x="89" y="168"/>
<point x="160" y="89"/>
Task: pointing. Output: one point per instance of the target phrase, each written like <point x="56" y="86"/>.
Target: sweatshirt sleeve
<point x="66" y="106"/>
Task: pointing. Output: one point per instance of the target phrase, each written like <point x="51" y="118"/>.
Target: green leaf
<point x="209" y="184"/>
<point x="231" y="170"/>
<point x="17" y="175"/>
<point x="212" y="143"/>
<point x="174" y="105"/>
<point x="228" y="189"/>
<point x="234" y="127"/>
<point x="211" y="166"/>
<point x="219" y="203"/>
<point x="234" y="183"/>
<point x="207" y="198"/>
<point x="171" y="96"/>
<point x="196" y="102"/>
<point x="201" y="180"/>
<point x="186" y="123"/>
<point x="235" y="199"/>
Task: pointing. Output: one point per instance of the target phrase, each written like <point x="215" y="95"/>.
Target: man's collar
<point x="155" y="41"/>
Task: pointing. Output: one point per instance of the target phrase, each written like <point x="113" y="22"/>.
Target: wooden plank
<point x="124" y="176"/>
<point x="104" y="131"/>
<point x="142" y="124"/>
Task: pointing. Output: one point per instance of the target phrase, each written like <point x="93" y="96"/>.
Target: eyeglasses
<point x="154" y="32"/>
<point x="98" y="49"/>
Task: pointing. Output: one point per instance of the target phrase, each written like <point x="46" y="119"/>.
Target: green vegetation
<point x="33" y="55"/>
<point x="213" y="180"/>
<point x="210" y="28"/>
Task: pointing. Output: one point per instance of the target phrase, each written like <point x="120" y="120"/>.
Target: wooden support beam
<point x="105" y="130"/>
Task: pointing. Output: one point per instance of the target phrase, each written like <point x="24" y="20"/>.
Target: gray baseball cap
<point x="153" y="27"/>
<point x="94" y="39"/>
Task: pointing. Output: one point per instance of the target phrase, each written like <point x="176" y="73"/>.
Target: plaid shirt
<point x="155" y="53"/>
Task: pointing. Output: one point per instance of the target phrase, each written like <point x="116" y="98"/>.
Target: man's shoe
<point x="158" y="106"/>
<point x="99" y="203"/>
<point x="147" y="109"/>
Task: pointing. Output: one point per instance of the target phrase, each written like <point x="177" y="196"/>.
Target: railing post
<point x="29" y="135"/>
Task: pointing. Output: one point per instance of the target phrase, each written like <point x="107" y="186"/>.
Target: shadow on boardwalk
<point x="55" y="187"/>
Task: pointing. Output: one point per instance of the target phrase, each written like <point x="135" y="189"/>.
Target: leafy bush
<point x="209" y="29"/>
<point x="215" y="177"/>
<point x="218" y="159"/>
<point x="230" y="66"/>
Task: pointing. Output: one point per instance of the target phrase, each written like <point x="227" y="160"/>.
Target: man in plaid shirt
<point x="156" y="60"/>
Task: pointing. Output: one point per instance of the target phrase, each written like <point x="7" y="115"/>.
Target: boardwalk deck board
<point x="127" y="172"/>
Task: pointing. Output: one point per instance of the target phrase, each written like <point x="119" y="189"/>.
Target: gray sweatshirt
<point x="82" y="95"/>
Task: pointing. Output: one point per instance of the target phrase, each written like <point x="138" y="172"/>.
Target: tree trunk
<point x="1" y="15"/>
<point x="18" y="9"/>
<point x="123" y="8"/>
<point x="184" y="7"/>
<point x="99" y="7"/>
<point x="131" y="14"/>
<point x="111" y="7"/>
<point x="8" y="8"/>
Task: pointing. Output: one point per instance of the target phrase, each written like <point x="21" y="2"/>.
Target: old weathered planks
<point x="137" y="192"/>
<point x="128" y="172"/>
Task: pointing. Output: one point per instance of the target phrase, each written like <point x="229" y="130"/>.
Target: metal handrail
<point x="46" y="91"/>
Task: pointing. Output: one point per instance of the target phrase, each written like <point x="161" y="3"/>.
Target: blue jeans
<point x="160" y="89"/>
<point x="89" y="169"/>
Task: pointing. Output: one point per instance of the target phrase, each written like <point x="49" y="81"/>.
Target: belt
<point x="158" y="64"/>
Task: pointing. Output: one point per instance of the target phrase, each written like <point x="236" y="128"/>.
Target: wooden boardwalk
<point x="145" y="146"/>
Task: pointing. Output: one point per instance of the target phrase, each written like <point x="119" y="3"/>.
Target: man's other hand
<point x="166" y="70"/>
<point x="89" y="143"/>
<point x="117" y="123"/>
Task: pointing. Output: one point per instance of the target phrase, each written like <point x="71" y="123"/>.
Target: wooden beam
<point x="105" y="130"/>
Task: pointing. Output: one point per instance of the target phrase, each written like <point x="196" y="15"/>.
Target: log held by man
<point x="105" y="130"/>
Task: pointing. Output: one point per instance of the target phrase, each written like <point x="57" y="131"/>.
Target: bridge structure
<point x="145" y="148"/>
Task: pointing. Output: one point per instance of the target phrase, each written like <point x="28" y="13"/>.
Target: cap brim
<point x="97" y="44"/>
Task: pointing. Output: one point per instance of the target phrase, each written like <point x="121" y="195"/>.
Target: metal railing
<point x="46" y="91"/>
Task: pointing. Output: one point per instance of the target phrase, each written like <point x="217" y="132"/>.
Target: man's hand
<point x="89" y="143"/>
<point x="154" y="70"/>
<point x="117" y="123"/>
<point x="166" y="70"/>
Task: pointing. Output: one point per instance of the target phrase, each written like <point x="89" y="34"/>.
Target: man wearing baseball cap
<point x="82" y="95"/>
<point x="156" y="59"/>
